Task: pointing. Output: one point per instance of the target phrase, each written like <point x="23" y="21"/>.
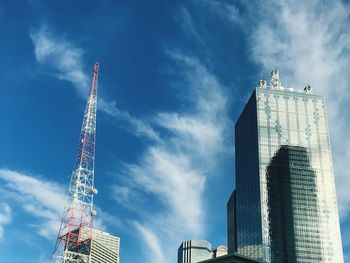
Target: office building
<point x="193" y="251"/>
<point x="104" y="248"/>
<point x="284" y="207"/>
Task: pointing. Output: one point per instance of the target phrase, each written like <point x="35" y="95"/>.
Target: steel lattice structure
<point x="73" y="245"/>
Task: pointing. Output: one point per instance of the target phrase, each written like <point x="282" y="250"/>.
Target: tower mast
<point x="73" y="244"/>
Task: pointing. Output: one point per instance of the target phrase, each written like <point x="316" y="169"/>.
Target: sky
<point x="174" y="77"/>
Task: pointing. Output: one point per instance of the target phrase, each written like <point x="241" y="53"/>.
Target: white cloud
<point x="104" y="220"/>
<point x="66" y="60"/>
<point x="40" y="198"/>
<point x="43" y="200"/>
<point x="140" y="127"/>
<point x="155" y="252"/>
<point x="185" y="20"/>
<point x="5" y="217"/>
<point x="193" y="133"/>
<point x="62" y="56"/>
<point x="173" y="173"/>
<point x="228" y="11"/>
<point x="171" y="178"/>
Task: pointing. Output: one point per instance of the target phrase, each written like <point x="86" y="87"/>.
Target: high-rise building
<point x="284" y="207"/>
<point x="192" y="251"/>
<point x="104" y="247"/>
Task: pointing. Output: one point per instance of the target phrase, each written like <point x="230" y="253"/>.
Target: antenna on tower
<point x="73" y="244"/>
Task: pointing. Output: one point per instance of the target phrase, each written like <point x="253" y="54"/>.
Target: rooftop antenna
<point x="308" y="88"/>
<point x="275" y="79"/>
<point x="262" y="83"/>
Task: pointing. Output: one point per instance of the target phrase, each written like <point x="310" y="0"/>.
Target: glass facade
<point x="294" y="224"/>
<point x="231" y="223"/>
<point x="248" y="206"/>
<point x="272" y="119"/>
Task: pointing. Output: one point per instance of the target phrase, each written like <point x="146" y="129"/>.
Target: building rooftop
<point x="232" y="258"/>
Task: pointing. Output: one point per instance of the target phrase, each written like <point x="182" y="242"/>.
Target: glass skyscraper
<point x="284" y="205"/>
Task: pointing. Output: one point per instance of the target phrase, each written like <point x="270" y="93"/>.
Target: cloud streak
<point x="174" y="172"/>
<point x="155" y="252"/>
<point x="66" y="62"/>
<point x="42" y="199"/>
<point x="225" y="10"/>
<point x="5" y="217"/>
<point x="62" y="56"/>
<point x="139" y="127"/>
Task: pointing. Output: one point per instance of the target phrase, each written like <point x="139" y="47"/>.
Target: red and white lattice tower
<point x="74" y="237"/>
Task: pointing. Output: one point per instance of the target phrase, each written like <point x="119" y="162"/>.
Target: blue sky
<point x="174" y="76"/>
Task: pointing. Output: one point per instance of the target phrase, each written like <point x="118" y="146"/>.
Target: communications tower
<point x="75" y="234"/>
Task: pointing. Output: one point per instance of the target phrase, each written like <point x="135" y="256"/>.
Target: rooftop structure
<point x="192" y="251"/>
<point x="219" y="251"/>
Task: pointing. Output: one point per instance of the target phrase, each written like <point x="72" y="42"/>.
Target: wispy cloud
<point x="65" y="59"/>
<point x="226" y="10"/>
<point x="175" y="183"/>
<point x="174" y="172"/>
<point x="62" y="56"/>
<point x="5" y="217"/>
<point x="139" y="127"/>
<point x="154" y="250"/>
<point x="42" y="199"/>
<point x="186" y="22"/>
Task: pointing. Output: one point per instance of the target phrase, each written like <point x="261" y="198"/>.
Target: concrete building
<point x="284" y="133"/>
<point x="193" y="251"/>
<point x="104" y="247"/>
